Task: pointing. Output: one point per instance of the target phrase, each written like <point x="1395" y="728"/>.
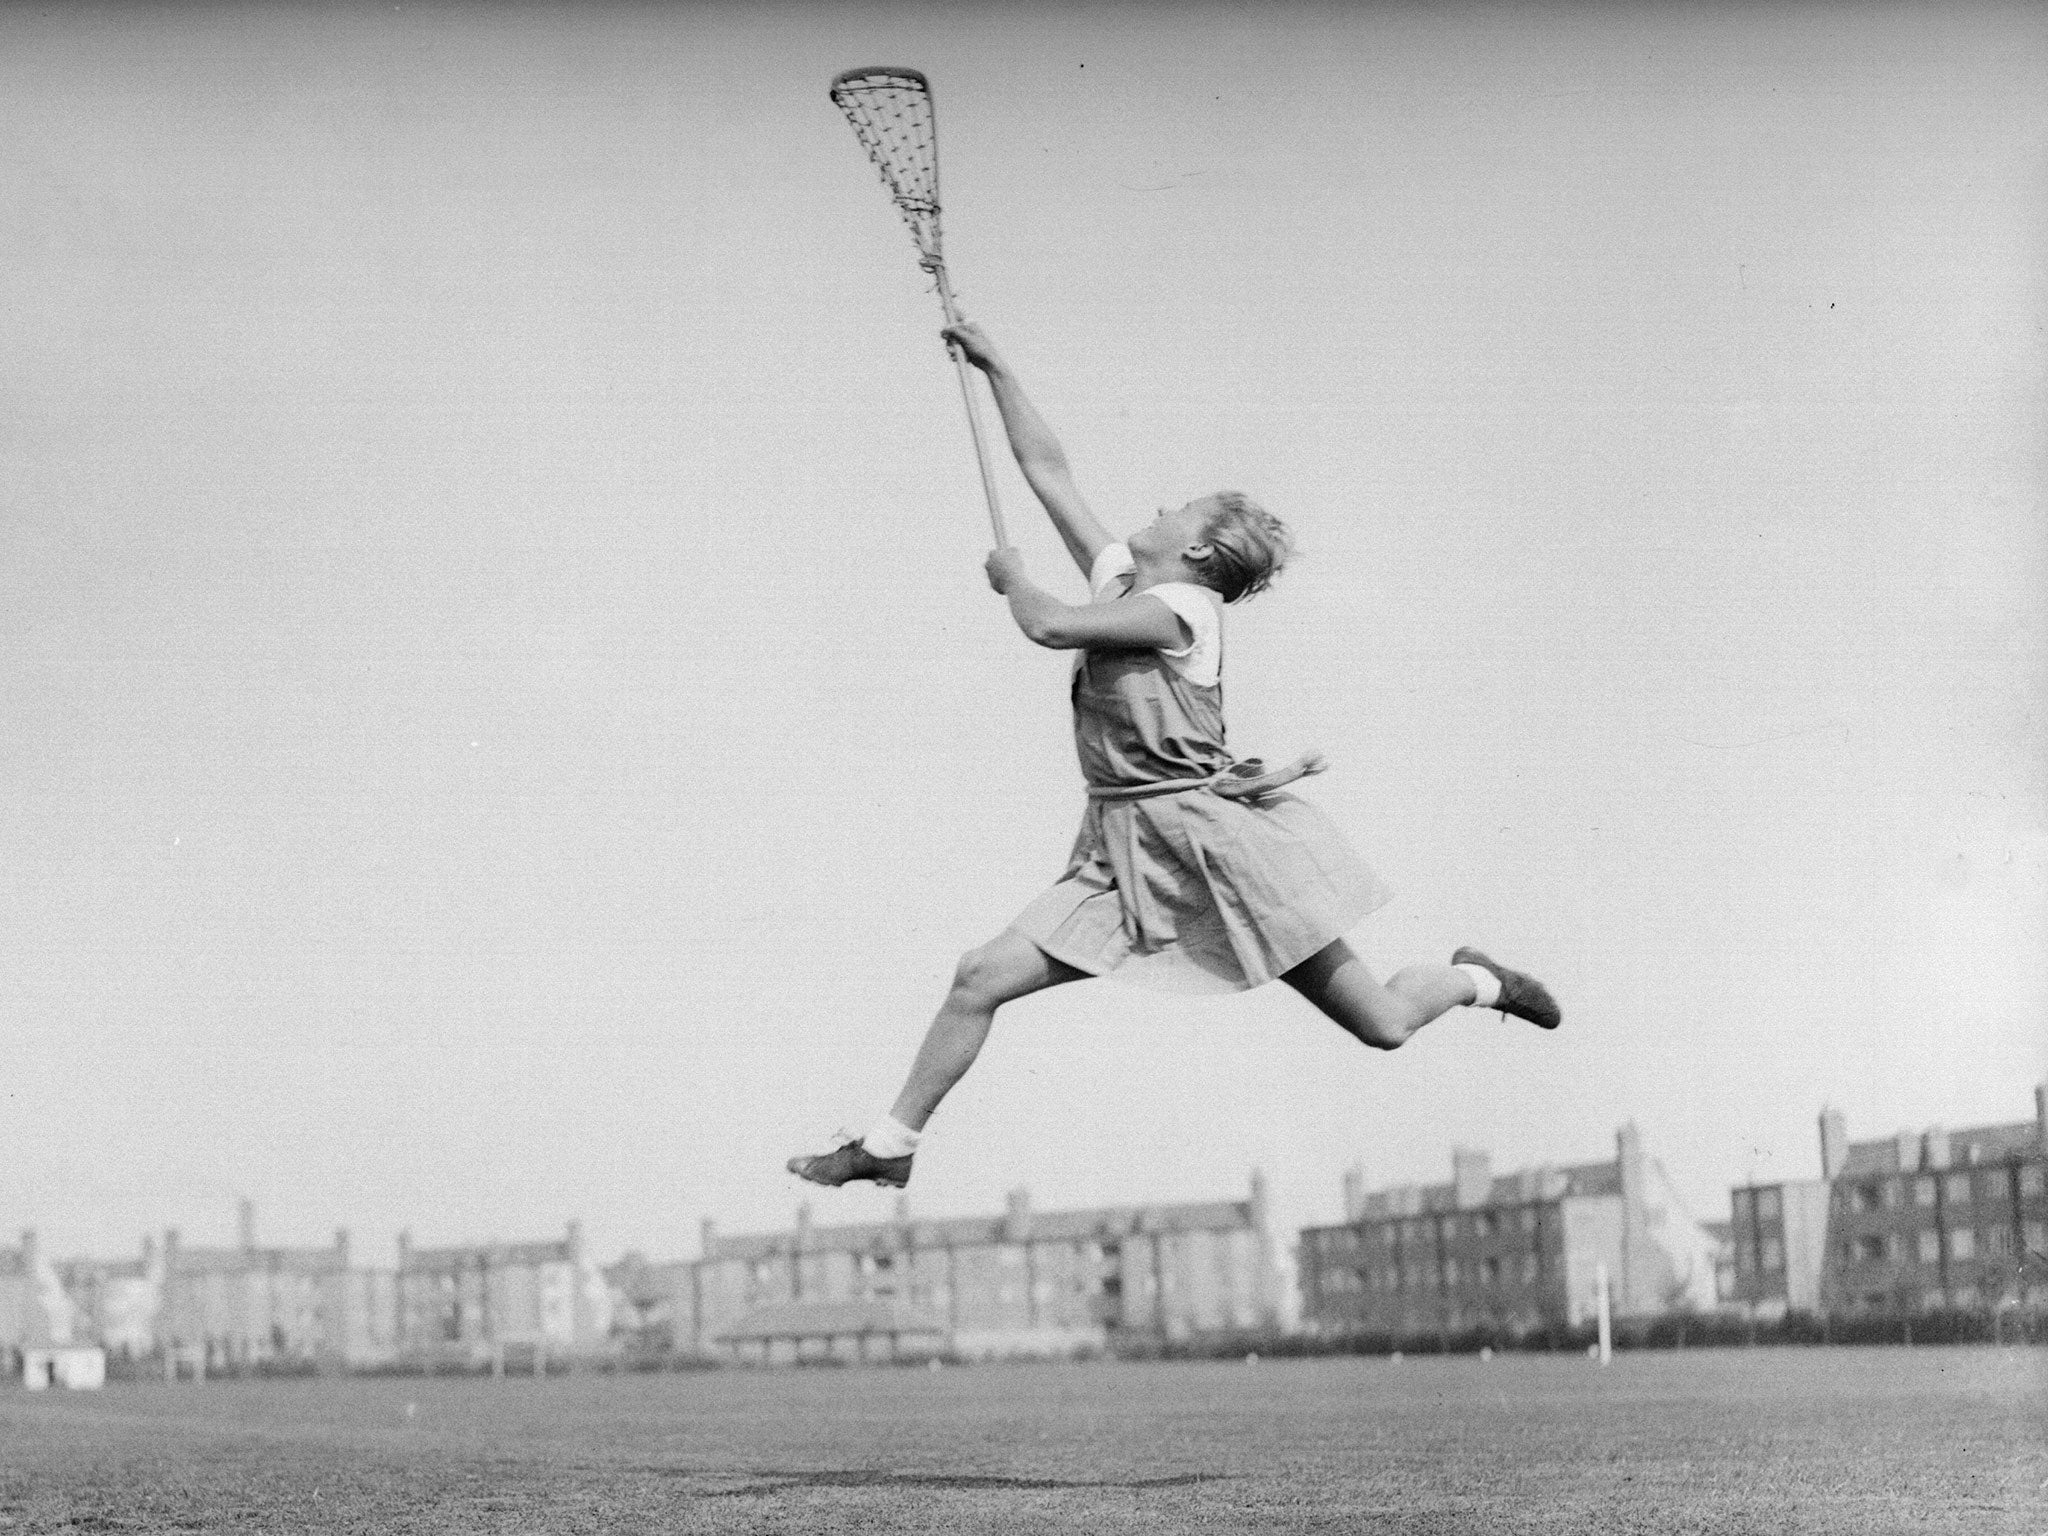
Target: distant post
<point x="1604" y="1312"/>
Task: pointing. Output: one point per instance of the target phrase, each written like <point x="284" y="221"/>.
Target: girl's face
<point x="1174" y="529"/>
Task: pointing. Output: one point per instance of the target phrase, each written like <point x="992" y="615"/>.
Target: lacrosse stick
<point x="891" y="112"/>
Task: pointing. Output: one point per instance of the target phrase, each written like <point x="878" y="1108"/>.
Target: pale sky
<point x="505" y="720"/>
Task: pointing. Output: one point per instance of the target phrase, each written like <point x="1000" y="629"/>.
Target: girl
<point x="1191" y="872"/>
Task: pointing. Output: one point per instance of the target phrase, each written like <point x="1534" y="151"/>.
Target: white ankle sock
<point x="1485" y="986"/>
<point x="890" y="1137"/>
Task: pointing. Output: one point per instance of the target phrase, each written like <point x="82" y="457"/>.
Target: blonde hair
<point x="1249" y="547"/>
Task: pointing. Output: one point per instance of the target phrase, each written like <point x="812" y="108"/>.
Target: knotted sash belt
<point x="1244" y="780"/>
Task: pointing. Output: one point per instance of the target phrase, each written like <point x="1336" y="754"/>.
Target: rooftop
<point x="182" y="1260"/>
<point x="553" y="1251"/>
<point x="1524" y="1187"/>
<point x="1904" y="1152"/>
<point x="966" y="1231"/>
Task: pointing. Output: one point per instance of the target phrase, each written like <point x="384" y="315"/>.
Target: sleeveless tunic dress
<point x="1186" y="891"/>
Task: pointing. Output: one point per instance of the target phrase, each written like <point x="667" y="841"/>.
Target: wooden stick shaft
<point x="988" y="478"/>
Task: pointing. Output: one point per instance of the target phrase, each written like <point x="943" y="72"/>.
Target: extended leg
<point x="1006" y="968"/>
<point x="1382" y="1016"/>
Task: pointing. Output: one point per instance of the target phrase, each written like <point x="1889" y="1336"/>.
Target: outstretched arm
<point x="1138" y="622"/>
<point x="1037" y="451"/>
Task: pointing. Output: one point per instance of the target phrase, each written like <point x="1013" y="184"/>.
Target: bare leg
<point x="1006" y="968"/>
<point x="1337" y="981"/>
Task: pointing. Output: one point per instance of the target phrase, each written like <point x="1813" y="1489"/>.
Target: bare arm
<point x="1137" y="622"/>
<point x="1037" y="451"/>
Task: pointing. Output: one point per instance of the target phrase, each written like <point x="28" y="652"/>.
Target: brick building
<point x="1915" y="1221"/>
<point x="251" y="1306"/>
<point x="466" y="1303"/>
<point x="117" y="1302"/>
<point x="1777" y="1236"/>
<point x="1023" y="1282"/>
<point x="1517" y="1253"/>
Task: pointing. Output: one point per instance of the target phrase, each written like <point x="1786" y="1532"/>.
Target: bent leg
<point x="1006" y="968"/>
<point x="1384" y="1017"/>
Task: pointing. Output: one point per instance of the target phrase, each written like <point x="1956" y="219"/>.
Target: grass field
<point x="1737" y="1441"/>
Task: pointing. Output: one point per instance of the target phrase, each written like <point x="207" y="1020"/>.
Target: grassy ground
<point x="1734" y="1441"/>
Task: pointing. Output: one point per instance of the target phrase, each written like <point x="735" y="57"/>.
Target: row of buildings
<point x="1921" y="1220"/>
<point x="1514" y="1253"/>
<point x="201" y="1309"/>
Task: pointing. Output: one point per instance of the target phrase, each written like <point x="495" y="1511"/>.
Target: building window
<point x="1865" y="1197"/>
<point x="1998" y="1242"/>
<point x="1869" y="1249"/>
<point x="1962" y="1244"/>
<point x="1958" y="1191"/>
<point x="1532" y="1268"/>
<point x="2033" y="1179"/>
<point x="1923" y="1191"/>
<point x="1894" y="1193"/>
<point x="1773" y="1253"/>
<point x="1741" y="1202"/>
<point x="1745" y="1257"/>
<point x="1488" y="1223"/>
<point x="1490" y="1271"/>
<point x="1992" y="1187"/>
<point x="2035" y="1236"/>
<point x="1930" y="1248"/>
<point x="1767" y="1205"/>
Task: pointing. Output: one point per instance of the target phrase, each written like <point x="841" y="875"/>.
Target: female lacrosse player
<point x="1191" y="872"/>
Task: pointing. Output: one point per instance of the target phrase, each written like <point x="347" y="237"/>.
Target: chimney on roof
<point x="900" y="1211"/>
<point x="1354" y="1192"/>
<point x="1471" y="1178"/>
<point x="1938" y="1150"/>
<point x="2041" y="1115"/>
<point x="245" y="1224"/>
<point x="404" y="1248"/>
<point x="1017" y="1215"/>
<point x="572" y="1239"/>
<point x="1834" y="1143"/>
<point x="1258" y="1201"/>
<point x="341" y="1246"/>
<point x="707" y="1238"/>
<point x="1628" y="1157"/>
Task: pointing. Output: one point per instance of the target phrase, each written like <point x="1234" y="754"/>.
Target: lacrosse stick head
<point x="890" y="109"/>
